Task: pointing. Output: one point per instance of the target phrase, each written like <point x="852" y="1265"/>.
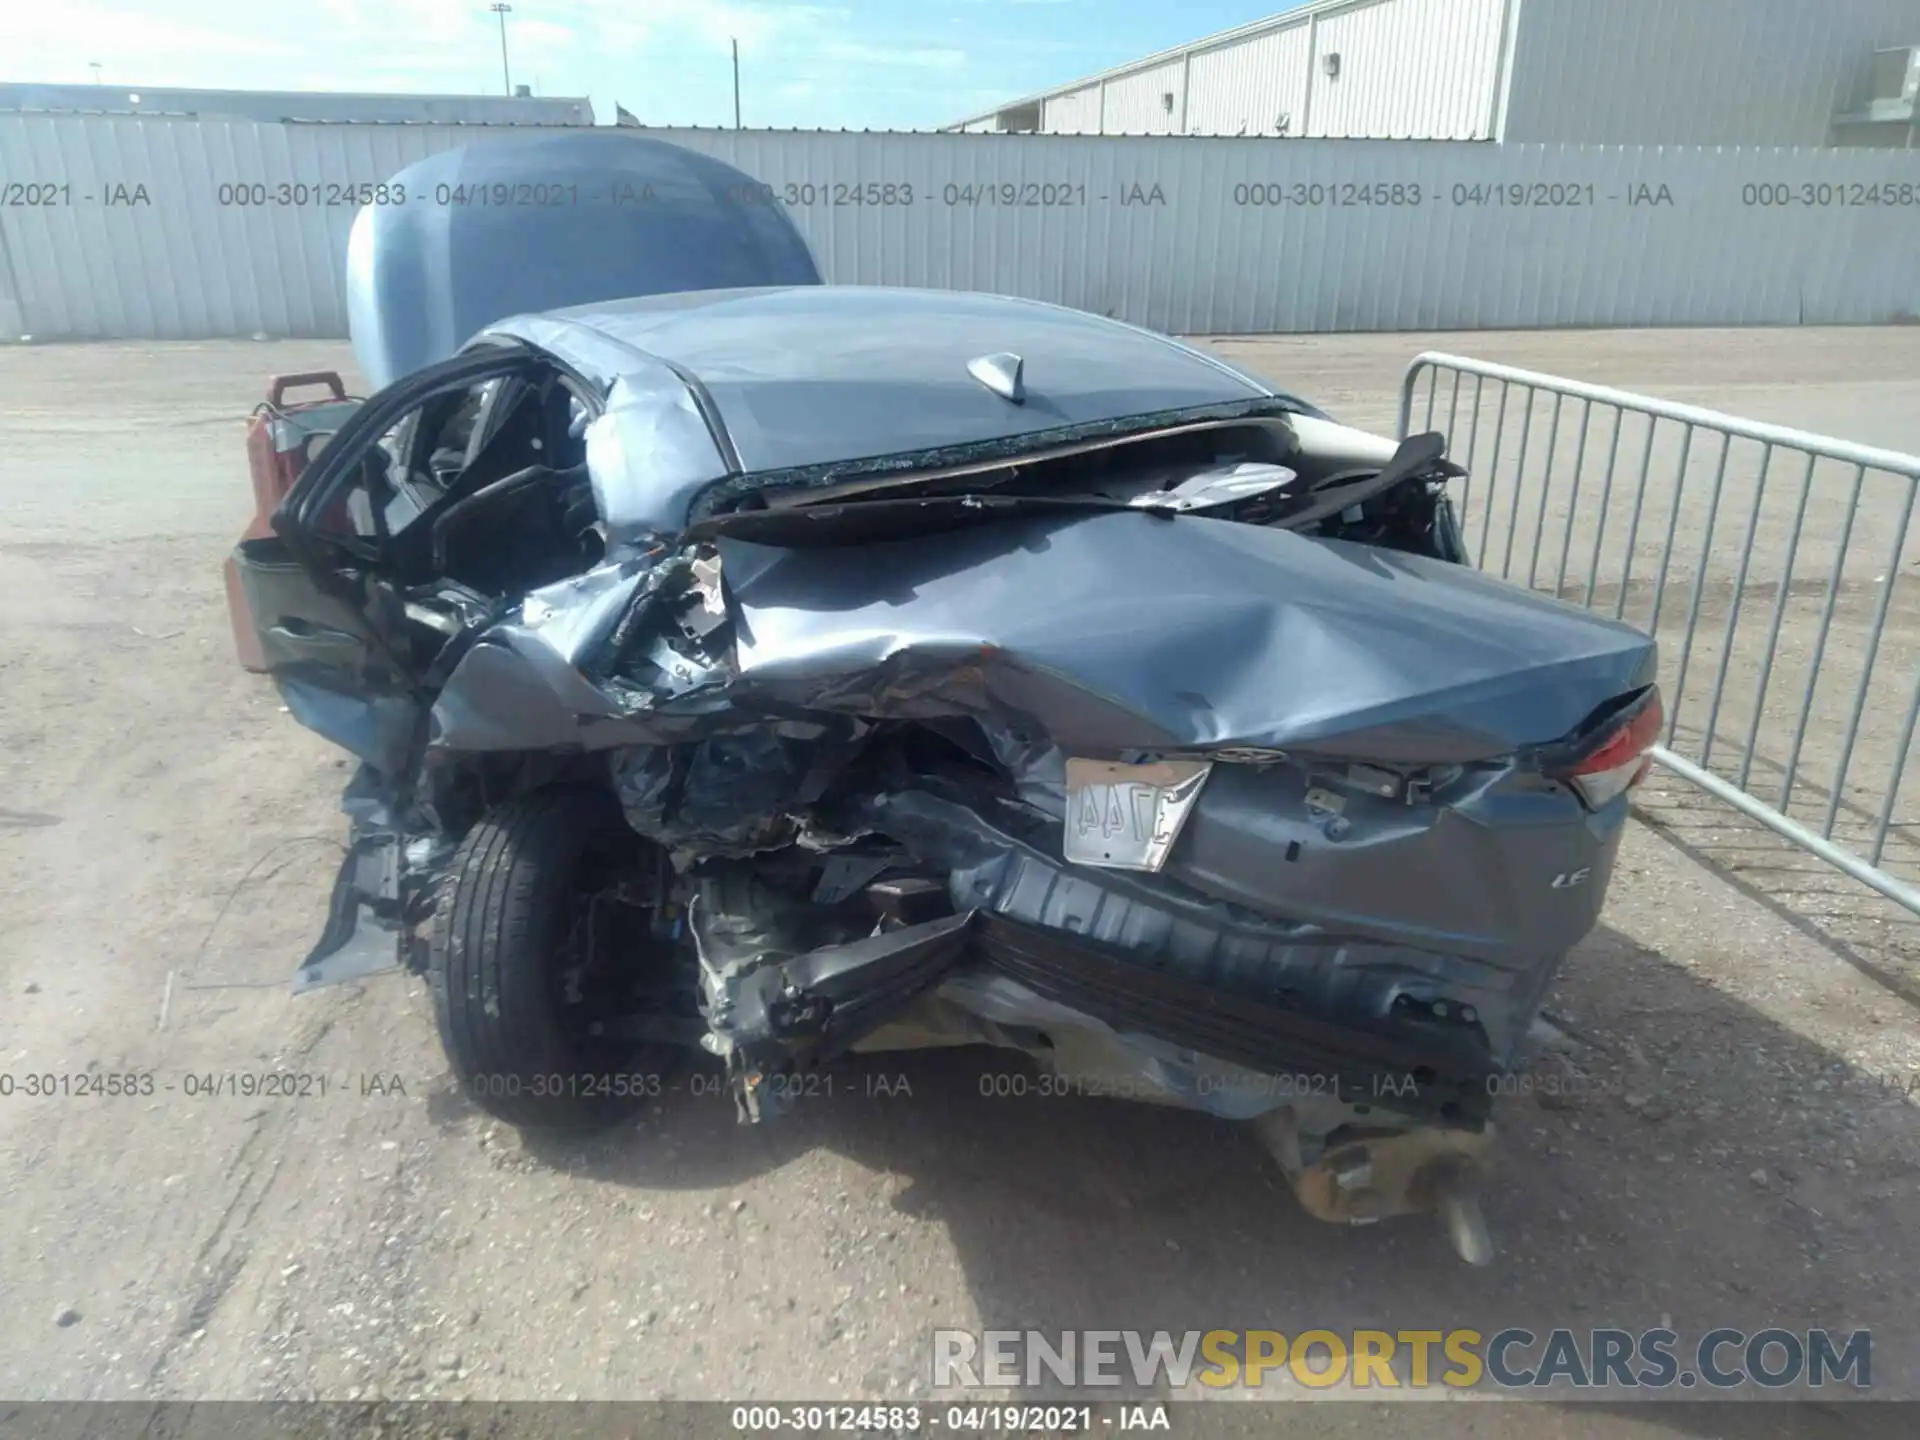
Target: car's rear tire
<point x="508" y="912"/>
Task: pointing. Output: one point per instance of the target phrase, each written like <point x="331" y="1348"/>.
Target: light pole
<point x="736" y="84"/>
<point x="502" y="9"/>
<point x="94" y="65"/>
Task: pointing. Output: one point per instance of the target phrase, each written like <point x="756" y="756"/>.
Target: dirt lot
<point x="1743" y="1152"/>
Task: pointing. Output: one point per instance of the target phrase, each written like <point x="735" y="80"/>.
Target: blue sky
<point x="879" y="64"/>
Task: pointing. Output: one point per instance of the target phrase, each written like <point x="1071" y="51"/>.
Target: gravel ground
<point x="1742" y="1148"/>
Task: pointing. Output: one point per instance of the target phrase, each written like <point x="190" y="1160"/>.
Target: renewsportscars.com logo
<point x="1510" y="1359"/>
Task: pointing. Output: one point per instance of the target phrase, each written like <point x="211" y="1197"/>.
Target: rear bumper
<point x="812" y="1007"/>
<point x="1414" y="1065"/>
<point x="1345" y="965"/>
<point x="1360" y="1018"/>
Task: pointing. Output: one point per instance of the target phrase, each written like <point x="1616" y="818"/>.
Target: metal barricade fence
<point x="1771" y="564"/>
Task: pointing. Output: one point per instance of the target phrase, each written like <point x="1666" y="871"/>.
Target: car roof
<point x="819" y="374"/>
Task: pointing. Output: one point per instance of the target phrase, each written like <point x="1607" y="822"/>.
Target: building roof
<point x="294" y="105"/>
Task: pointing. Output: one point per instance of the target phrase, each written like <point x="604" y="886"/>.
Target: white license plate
<point x="1126" y="817"/>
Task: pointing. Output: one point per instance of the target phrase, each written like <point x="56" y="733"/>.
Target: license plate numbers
<point x="1126" y="817"/>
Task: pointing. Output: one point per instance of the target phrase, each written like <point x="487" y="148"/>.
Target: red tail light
<point x="1617" y="760"/>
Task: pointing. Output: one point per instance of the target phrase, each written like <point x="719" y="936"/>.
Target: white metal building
<point x="1611" y="72"/>
<point x="317" y="106"/>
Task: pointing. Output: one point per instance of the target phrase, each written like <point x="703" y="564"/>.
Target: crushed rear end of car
<point x="1176" y="749"/>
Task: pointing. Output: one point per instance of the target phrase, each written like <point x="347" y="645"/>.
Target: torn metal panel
<point x="732" y="794"/>
<point x="379" y="729"/>
<point x="372" y="945"/>
<point x="650" y="453"/>
<point x="367" y="930"/>
<point x="538" y="679"/>
<point x="573" y="618"/>
<point x="786" y="982"/>
<point x="819" y="1004"/>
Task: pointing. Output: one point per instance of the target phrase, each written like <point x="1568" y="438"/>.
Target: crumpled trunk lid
<point x="1128" y="633"/>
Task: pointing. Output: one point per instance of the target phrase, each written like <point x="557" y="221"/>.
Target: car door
<point x="346" y="599"/>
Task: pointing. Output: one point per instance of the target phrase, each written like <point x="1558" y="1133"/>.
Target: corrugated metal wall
<point x="149" y="238"/>
<point x="276" y="106"/>
<point x="1418" y="69"/>
<point x="1245" y="88"/>
<point x="1409" y="69"/>
<point x="1146" y="102"/>
<point x="1697" y="72"/>
<point x="1186" y="235"/>
<point x="1075" y="113"/>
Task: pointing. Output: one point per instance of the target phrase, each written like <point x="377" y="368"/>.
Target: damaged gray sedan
<point x="793" y="671"/>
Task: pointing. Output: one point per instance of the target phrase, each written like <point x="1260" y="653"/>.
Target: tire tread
<point x="491" y="937"/>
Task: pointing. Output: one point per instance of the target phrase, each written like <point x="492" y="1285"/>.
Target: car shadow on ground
<point x="1691" y="1165"/>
